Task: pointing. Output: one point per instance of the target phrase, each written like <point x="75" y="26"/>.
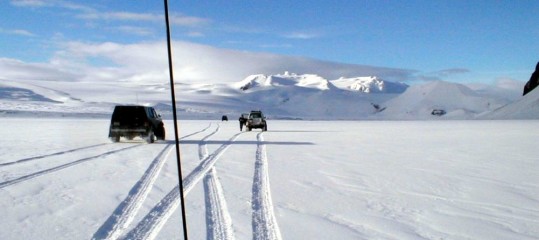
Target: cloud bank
<point x="148" y="62"/>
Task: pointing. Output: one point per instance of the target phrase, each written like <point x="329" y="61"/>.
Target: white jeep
<point x="256" y="120"/>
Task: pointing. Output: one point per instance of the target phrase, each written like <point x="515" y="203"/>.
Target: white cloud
<point x="123" y="16"/>
<point x="29" y="3"/>
<point x="195" y="34"/>
<point x="175" y="19"/>
<point x="442" y="74"/>
<point x="147" y="62"/>
<point x="187" y="21"/>
<point x="301" y="35"/>
<point x="52" y="3"/>
<point x="89" y="13"/>
<point x="141" y="31"/>
<point x="284" y="45"/>
<point x="20" y="32"/>
<point x="509" y="84"/>
<point x="14" y="69"/>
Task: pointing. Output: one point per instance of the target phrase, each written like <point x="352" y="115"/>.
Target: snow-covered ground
<point x="63" y="179"/>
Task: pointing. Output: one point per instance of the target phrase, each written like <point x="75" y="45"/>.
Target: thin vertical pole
<point x="173" y="95"/>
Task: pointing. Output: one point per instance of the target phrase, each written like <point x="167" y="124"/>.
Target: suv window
<point x="127" y="113"/>
<point x="151" y="113"/>
<point x="256" y="115"/>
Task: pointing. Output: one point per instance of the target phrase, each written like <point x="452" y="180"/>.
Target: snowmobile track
<point x="264" y="223"/>
<point x="120" y="219"/>
<point x="60" y="167"/>
<point x="50" y="155"/>
<point x="151" y="224"/>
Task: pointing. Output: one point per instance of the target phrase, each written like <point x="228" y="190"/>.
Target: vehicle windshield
<point x="256" y="115"/>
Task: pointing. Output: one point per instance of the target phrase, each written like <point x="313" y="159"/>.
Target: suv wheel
<point x="161" y="134"/>
<point x="115" y="139"/>
<point x="151" y="137"/>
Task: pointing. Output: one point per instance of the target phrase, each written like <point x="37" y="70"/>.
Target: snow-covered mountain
<point x="439" y="99"/>
<point x="525" y="108"/>
<point x="308" y="96"/>
<point x="370" y="84"/>
<point x="288" y="96"/>
<point x="286" y="79"/>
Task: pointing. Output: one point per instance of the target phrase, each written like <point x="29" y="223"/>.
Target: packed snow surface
<point x="63" y="179"/>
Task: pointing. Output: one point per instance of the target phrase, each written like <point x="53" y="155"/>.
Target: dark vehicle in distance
<point x="256" y="119"/>
<point x="136" y="121"/>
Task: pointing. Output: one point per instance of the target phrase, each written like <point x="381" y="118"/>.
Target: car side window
<point x="151" y="112"/>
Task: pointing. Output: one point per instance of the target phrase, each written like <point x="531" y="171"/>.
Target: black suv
<point x="136" y="121"/>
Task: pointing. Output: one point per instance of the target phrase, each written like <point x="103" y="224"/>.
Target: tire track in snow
<point x="60" y="167"/>
<point x="149" y="227"/>
<point x="77" y="149"/>
<point x="218" y="220"/>
<point x="124" y="214"/>
<point x="264" y="223"/>
<point x="50" y="155"/>
<point x="197" y="132"/>
<point x="202" y="149"/>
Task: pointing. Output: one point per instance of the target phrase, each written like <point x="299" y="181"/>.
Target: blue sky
<point x="471" y="41"/>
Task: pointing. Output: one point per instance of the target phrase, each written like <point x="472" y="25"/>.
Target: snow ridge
<point x="264" y="223"/>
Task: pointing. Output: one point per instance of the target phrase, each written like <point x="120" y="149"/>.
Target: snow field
<point x="327" y="179"/>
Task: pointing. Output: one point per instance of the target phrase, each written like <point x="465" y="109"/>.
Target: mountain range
<point x="281" y="96"/>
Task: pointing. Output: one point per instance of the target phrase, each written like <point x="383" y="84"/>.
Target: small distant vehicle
<point x="136" y="121"/>
<point x="256" y="119"/>
<point x="224" y="118"/>
<point x="438" y="112"/>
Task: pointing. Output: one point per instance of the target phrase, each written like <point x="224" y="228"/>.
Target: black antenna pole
<point x="173" y="95"/>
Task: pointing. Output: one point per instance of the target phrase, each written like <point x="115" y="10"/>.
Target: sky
<point x="462" y="41"/>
